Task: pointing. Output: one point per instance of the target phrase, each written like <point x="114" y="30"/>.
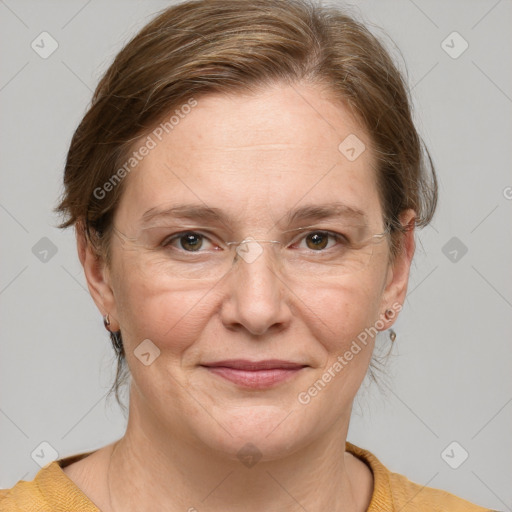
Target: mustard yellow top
<point x="52" y="491"/>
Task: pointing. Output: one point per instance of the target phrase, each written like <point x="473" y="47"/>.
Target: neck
<point x="153" y="469"/>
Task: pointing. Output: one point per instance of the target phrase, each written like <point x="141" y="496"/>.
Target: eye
<point x="320" y="240"/>
<point x="189" y="241"/>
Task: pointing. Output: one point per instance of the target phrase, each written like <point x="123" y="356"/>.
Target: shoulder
<point x="410" y="496"/>
<point x="50" y="489"/>
<point x="394" y="492"/>
<point x="23" y="496"/>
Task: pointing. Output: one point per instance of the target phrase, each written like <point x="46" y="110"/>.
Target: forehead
<point x="255" y="156"/>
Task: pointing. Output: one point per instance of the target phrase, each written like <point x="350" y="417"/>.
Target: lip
<point x="255" y="374"/>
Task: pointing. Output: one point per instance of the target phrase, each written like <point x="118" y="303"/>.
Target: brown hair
<point x="215" y="46"/>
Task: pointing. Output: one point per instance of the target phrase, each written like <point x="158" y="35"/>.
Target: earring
<point x="389" y="314"/>
<point x="106" y="322"/>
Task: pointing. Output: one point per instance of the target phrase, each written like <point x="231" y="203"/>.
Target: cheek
<point x="343" y="315"/>
<point x="339" y="312"/>
<point x="171" y="317"/>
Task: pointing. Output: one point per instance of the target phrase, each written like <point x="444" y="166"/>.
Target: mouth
<point x="255" y="374"/>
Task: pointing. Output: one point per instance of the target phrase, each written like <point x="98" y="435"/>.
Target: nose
<point x="256" y="295"/>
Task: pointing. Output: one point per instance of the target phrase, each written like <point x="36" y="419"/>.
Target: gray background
<point x="449" y="378"/>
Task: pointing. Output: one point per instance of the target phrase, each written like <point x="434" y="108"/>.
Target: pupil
<point x="191" y="241"/>
<point x="319" y="241"/>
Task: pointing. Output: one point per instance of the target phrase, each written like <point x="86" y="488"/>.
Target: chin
<point x="264" y="432"/>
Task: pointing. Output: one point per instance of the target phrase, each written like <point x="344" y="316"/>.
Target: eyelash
<point x="340" y="238"/>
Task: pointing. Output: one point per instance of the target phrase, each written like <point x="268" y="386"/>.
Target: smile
<point x="255" y="374"/>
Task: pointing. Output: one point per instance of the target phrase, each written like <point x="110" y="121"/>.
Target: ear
<point x="97" y="277"/>
<point x="395" y="288"/>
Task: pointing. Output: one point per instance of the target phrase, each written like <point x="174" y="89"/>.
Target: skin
<point x="259" y="156"/>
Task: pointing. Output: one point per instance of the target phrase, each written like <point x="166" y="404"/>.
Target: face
<point x="252" y="160"/>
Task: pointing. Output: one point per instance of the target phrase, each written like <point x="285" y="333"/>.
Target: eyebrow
<point x="184" y="211"/>
<point x="197" y="212"/>
<point x="324" y="211"/>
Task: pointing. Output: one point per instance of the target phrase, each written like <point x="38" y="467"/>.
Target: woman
<point x="245" y="189"/>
